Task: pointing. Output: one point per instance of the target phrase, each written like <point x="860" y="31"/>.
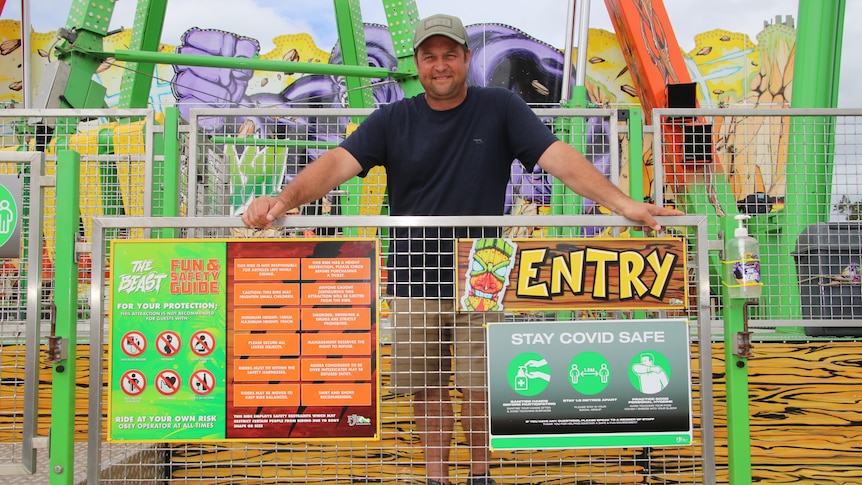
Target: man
<point x="446" y="152"/>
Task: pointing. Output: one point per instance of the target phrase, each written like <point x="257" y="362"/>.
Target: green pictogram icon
<point x="589" y="373"/>
<point x="649" y="372"/>
<point x="529" y="374"/>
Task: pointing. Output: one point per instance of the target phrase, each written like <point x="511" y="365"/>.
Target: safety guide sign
<point x="243" y="339"/>
<point x="589" y="384"/>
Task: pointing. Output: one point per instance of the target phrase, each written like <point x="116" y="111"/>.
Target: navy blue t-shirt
<point x="445" y="163"/>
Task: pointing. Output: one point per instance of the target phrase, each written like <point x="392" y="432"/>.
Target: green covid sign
<point x="589" y="384"/>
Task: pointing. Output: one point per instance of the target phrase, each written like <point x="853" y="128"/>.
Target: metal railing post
<point x="61" y="346"/>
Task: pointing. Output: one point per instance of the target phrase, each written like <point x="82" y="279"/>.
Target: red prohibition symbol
<point x="202" y="382"/>
<point x="133" y="382"/>
<point x="168" y="382"/>
<point x="134" y="343"/>
<point x="168" y="343"/>
<point x="202" y="343"/>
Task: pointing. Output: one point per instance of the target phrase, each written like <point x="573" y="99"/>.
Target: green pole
<point x="818" y="53"/>
<point x="171" y="175"/>
<point x="256" y="64"/>
<point x="146" y="34"/>
<point x="636" y="167"/>
<point x="351" y="37"/>
<point x="839" y="44"/>
<point x="636" y="153"/>
<point x="736" y="382"/>
<point x="809" y="161"/>
<point x="815" y="83"/>
<point x="402" y="17"/>
<point x="563" y="200"/>
<point x="62" y="450"/>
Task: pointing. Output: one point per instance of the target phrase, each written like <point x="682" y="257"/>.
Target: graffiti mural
<point x="729" y="68"/>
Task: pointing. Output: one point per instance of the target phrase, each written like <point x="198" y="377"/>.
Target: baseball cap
<point x="440" y="24"/>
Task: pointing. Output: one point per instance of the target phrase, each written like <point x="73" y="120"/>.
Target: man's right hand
<point x="312" y="183"/>
<point x="262" y="211"/>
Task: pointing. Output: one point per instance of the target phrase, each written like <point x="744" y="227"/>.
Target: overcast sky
<point x="543" y="19"/>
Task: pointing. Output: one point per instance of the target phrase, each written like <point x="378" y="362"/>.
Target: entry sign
<point x="11" y="188"/>
<point x="592" y="384"/>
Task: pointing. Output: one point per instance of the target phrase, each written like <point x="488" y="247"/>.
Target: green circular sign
<point x="8" y="215"/>
<point x="529" y="374"/>
<point x="589" y="373"/>
<point x="649" y="372"/>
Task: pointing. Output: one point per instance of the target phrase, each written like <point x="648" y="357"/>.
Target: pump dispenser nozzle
<point x="741" y="231"/>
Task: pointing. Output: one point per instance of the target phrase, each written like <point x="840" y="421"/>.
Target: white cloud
<point x="248" y="18"/>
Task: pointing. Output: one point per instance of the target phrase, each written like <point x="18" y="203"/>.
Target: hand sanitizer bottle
<point x="742" y="263"/>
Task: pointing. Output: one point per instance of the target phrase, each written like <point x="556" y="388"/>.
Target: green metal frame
<point x="351" y="37"/>
<point x="63" y="376"/>
<point x="169" y="206"/>
<point x="244" y="63"/>
<point x="402" y="17"/>
<point x="815" y="85"/>
<point x="137" y="78"/>
<point x="563" y="200"/>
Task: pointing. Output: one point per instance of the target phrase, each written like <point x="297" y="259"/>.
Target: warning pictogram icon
<point x="134" y="344"/>
<point x="202" y="343"/>
<point x="168" y="343"/>
<point x="202" y="382"/>
<point x="133" y="382"/>
<point x="168" y="382"/>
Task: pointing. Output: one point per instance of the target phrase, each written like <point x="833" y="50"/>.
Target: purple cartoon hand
<point x="198" y="87"/>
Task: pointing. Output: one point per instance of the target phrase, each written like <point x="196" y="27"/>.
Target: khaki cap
<point x="440" y="24"/>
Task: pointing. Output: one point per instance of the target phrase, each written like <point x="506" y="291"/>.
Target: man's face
<point x="442" y="66"/>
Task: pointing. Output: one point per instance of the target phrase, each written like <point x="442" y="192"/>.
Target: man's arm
<point x="312" y="183"/>
<point x="577" y="173"/>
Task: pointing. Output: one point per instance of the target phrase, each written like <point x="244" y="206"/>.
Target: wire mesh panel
<point x="793" y="171"/>
<point x="19" y="351"/>
<point x="240" y="154"/>
<point x="115" y="148"/>
<point x="794" y="176"/>
<point x="409" y="443"/>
